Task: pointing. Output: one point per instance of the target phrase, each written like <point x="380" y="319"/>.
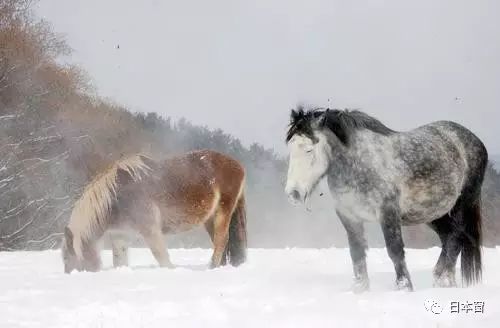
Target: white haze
<point x="241" y="65"/>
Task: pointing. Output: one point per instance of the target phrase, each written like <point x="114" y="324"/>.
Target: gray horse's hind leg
<point x="357" y="247"/>
<point x="391" y="228"/>
<point x="119" y="244"/>
<point x="444" y="271"/>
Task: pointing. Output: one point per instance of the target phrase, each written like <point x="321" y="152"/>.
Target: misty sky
<point x="241" y="65"/>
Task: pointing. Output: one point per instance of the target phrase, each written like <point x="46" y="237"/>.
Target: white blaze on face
<point x="308" y="163"/>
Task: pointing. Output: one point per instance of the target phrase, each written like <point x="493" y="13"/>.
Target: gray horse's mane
<point x="341" y="122"/>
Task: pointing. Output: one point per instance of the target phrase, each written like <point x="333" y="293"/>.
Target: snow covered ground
<point x="276" y="288"/>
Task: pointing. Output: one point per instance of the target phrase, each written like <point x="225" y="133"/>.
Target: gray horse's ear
<point x="322" y="118"/>
<point x="68" y="236"/>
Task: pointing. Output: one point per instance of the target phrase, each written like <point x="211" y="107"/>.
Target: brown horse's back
<point x="190" y="187"/>
<point x="202" y="167"/>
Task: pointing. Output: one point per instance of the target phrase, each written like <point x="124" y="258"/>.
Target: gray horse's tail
<point x="236" y="249"/>
<point x="471" y="266"/>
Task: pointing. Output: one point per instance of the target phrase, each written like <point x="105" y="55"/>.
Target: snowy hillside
<point x="277" y="288"/>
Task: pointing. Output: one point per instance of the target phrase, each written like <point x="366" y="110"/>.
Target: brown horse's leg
<point x="154" y="240"/>
<point x="92" y="258"/>
<point x="221" y="235"/>
<point x="150" y="229"/>
<point x="209" y="226"/>
<point x="119" y="244"/>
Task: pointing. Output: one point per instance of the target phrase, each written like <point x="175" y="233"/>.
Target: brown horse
<point x="158" y="198"/>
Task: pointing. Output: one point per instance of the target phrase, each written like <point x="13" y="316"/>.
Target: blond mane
<point x="91" y="211"/>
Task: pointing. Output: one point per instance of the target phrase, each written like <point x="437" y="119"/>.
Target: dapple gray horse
<point x="432" y="174"/>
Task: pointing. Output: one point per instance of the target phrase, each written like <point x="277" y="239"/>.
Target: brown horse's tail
<point x="236" y="249"/>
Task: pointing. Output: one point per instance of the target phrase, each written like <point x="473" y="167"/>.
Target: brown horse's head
<point x="89" y="261"/>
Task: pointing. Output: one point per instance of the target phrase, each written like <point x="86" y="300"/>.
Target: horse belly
<point x="184" y="216"/>
<point x="421" y="205"/>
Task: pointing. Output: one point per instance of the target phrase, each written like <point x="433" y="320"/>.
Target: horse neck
<point x="366" y="150"/>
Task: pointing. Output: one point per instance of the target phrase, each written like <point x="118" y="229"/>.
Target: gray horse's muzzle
<point x="295" y="196"/>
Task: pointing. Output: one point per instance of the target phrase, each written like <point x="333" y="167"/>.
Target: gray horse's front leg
<point x="391" y="227"/>
<point x="357" y="247"/>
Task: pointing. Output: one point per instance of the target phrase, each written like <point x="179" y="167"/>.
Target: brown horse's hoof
<point x="212" y="266"/>
<point x="168" y="265"/>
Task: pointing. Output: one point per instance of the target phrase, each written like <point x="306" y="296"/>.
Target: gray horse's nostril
<point x="295" y="195"/>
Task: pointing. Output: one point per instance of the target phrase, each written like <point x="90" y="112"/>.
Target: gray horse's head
<point x="309" y="153"/>
<point x="314" y="138"/>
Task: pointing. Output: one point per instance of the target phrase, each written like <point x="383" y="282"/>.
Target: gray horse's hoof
<point x="445" y="280"/>
<point x="404" y="284"/>
<point x="360" y="286"/>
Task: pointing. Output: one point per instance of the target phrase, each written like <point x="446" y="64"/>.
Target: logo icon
<point x="433" y="307"/>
